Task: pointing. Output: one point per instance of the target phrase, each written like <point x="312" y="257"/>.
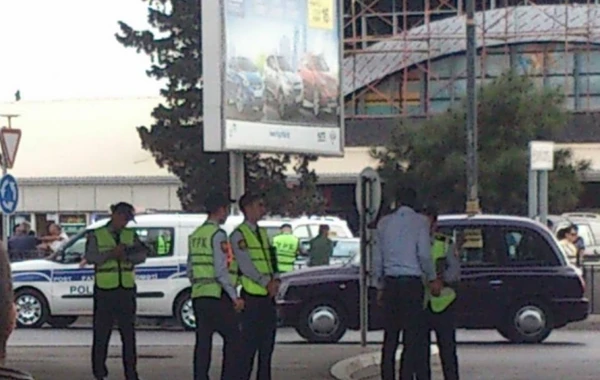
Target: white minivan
<point x="58" y="290"/>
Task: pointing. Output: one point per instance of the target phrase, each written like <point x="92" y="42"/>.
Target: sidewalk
<point x="290" y="361"/>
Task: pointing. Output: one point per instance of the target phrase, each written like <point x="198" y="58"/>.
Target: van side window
<point x="527" y="247"/>
<point x="160" y="239"/>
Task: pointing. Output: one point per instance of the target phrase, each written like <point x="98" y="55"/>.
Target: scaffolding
<point x="397" y="42"/>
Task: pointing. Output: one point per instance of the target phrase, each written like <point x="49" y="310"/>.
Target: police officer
<point x="258" y="266"/>
<point x="214" y="296"/>
<point x="286" y="246"/>
<point x="440" y="309"/>
<point x="114" y="250"/>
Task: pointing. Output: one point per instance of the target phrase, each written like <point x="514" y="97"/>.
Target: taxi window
<point x="527" y="247"/>
<point x="482" y="245"/>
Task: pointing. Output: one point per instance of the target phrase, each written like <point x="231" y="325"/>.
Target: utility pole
<point x="472" y="205"/>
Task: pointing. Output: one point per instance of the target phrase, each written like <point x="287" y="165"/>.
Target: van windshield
<point x="72" y="251"/>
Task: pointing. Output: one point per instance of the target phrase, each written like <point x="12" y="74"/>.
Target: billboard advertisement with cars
<point x="279" y="71"/>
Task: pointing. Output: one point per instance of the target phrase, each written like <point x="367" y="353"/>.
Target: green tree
<point x="174" y="44"/>
<point x="511" y="112"/>
<point x="305" y="195"/>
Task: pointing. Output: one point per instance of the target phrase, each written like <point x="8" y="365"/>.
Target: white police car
<point x="58" y="290"/>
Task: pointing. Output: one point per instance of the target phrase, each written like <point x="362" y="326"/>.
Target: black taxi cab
<point x="515" y="278"/>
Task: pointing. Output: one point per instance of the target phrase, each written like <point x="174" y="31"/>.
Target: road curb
<point x="347" y="368"/>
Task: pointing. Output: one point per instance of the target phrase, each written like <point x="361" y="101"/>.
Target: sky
<point x="66" y="49"/>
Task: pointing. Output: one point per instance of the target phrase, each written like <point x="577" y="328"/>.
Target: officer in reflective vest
<point x="258" y="265"/>
<point x="114" y="250"/>
<point x="214" y="296"/>
<point x="286" y="246"/>
<point x="441" y="308"/>
<point x="163" y="243"/>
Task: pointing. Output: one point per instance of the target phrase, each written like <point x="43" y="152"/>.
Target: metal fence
<point x="591" y="275"/>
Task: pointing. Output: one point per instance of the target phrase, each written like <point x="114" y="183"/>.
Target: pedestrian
<point x="401" y="259"/>
<point x="214" y="296"/>
<point x="441" y="309"/>
<point x="260" y="284"/>
<point x="8" y="318"/>
<point x="114" y="250"/>
<point x="321" y="248"/>
<point x="287" y="246"/>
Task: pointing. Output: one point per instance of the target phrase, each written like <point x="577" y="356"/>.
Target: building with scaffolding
<point x="406" y="59"/>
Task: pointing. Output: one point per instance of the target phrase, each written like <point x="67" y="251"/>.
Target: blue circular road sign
<point x="9" y="194"/>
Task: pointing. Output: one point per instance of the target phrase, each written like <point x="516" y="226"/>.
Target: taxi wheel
<point x="32" y="308"/>
<point x="528" y="322"/>
<point x="184" y="312"/>
<point x="61" y="322"/>
<point x="322" y="321"/>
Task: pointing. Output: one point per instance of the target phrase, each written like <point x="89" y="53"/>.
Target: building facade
<point x="403" y="59"/>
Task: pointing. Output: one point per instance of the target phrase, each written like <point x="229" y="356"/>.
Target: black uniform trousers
<point x="403" y="311"/>
<point x="216" y="315"/>
<point x="259" y="325"/>
<point x="109" y="306"/>
<point x="443" y="324"/>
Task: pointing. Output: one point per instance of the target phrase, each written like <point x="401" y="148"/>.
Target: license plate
<point x="258" y="93"/>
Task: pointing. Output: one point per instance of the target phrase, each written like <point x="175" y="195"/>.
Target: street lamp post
<point x="472" y="205"/>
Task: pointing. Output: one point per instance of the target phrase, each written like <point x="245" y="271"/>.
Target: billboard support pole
<point x="471" y="127"/>
<point x="236" y="178"/>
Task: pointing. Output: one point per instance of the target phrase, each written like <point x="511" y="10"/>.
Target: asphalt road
<point x="483" y="354"/>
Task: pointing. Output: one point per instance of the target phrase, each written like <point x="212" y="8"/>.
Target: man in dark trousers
<point x="401" y="260"/>
<point x="440" y="309"/>
<point x="114" y="250"/>
<point x="214" y="296"/>
<point x="258" y="265"/>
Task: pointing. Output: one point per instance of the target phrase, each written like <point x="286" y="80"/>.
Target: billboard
<point x="271" y="76"/>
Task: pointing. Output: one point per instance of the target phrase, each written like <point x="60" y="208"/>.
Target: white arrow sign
<point x="9" y="140"/>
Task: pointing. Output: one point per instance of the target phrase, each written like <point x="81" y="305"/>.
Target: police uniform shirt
<point x="242" y="256"/>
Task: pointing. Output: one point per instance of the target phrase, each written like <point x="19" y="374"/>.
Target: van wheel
<point x="32" y="308"/>
<point x="322" y="321"/>
<point x="61" y="322"/>
<point x="184" y="312"/>
<point x="528" y="322"/>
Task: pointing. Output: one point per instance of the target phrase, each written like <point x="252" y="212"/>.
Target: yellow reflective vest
<point x="113" y="273"/>
<point x="163" y="244"/>
<point x="260" y="254"/>
<point x="204" y="281"/>
<point x="286" y="246"/>
<point x="439" y="250"/>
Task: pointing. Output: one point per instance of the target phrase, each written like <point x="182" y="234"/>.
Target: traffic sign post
<point x="9" y="190"/>
<point x="368" y="203"/>
<point x="541" y="161"/>
<point x="9" y="140"/>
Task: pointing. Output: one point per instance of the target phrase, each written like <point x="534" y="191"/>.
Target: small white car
<point x="283" y="85"/>
<point x="58" y="290"/>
